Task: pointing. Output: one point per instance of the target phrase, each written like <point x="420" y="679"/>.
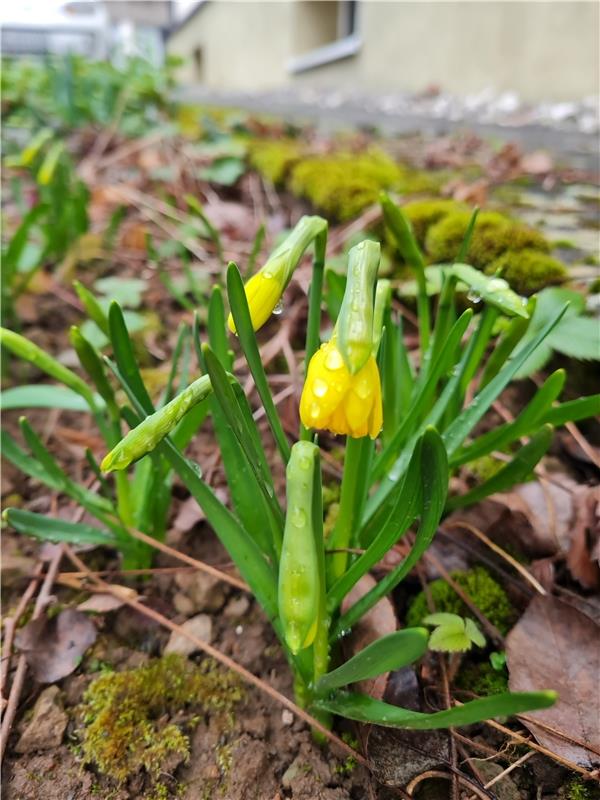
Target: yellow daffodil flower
<point x="263" y="292"/>
<point x="338" y="401"/>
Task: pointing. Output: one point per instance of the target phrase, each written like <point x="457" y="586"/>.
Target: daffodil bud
<point x="354" y="327"/>
<point x="264" y="289"/>
<point x="299" y="581"/>
<point x="383" y="297"/>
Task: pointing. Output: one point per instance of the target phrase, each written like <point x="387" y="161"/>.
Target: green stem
<point x="352" y="500"/>
<point x="313" y="326"/>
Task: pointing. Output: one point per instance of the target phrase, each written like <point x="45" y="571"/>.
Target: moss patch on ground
<point x="487" y="594"/>
<point x="499" y="244"/>
<point x="128" y="716"/>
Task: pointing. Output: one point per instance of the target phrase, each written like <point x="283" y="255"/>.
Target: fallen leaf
<point x="189" y="514"/>
<point x="101" y="603"/>
<point x="554" y="646"/>
<point x="47" y="725"/>
<point x="54" y="647"/>
<point x="377" y="622"/>
<point x="583" y="559"/>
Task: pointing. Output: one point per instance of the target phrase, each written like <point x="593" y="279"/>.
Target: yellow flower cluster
<point x="334" y="399"/>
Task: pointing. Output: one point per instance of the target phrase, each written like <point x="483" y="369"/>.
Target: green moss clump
<point x="579" y="789"/>
<point x="482" y="679"/>
<point x="487" y="594"/>
<point x="485" y="467"/>
<point x="127" y="714"/>
<point x="344" y="183"/>
<point x="490" y="235"/>
<point x="528" y="270"/>
<point x="274" y="158"/>
<point x="425" y="213"/>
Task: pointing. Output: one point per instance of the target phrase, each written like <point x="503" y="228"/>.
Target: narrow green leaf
<point x="573" y="410"/>
<point x="247" y="337"/>
<point x="56" y="530"/>
<point x="526" y="422"/>
<point x="398" y="517"/>
<point x="91" y="362"/>
<point x="43" y="395"/>
<point x="455" y="434"/>
<point x="362" y="708"/>
<point x="493" y="291"/>
<point x="434" y="477"/>
<point x="29" y="351"/>
<point x="518" y="469"/>
<point x="394" y="651"/>
<point x="125" y="356"/>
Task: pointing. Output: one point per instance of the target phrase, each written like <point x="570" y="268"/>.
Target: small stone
<point x="204" y="592"/>
<point x="237" y="607"/>
<point x="183" y="604"/>
<point x="199" y="626"/>
<point x="46" y="728"/>
<point x="287" y="718"/>
<point x="289" y="776"/>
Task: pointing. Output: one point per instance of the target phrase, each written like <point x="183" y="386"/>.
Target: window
<point x="324" y="31"/>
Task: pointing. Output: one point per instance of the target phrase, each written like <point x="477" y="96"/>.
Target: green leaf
<point x="527" y="421"/>
<point x="518" y="469"/>
<point x="494" y="291"/>
<point x="225" y="170"/>
<point x="573" y="410"/>
<point x="434" y="477"/>
<point x="450" y="621"/>
<point x="577" y="337"/>
<point x="362" y="708"/>
<point x="247" y="337"/>
<point x="447" y="639"/>
<point x="388" y="527"/>
<point x="455" y="434"/>
<point x="93" y="309"/>
<point x="394" y="651"/>
<point x="43" y="395"/>
<point x="473" y="632"/>
<point x="56" y="530"/>
<point x="126" y="291"/>
<point x="125" y="356"/>
<point x="29" y="351"/>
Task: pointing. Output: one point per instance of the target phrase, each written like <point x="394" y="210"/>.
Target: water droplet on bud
<point x="278" y="308"/>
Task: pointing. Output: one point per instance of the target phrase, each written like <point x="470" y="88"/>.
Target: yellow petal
<point x="263" y="292"/>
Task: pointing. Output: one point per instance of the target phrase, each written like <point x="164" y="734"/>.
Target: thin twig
<point x="436" y="773"/>
<point x="228" y="662"/>
<point x="19" y="676"/>
<point x="497" y="549"/>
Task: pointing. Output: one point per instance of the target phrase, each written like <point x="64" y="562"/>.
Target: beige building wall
<point x="542" y="50"/>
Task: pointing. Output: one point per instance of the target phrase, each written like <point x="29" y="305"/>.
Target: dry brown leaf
<point x="377" y="622"/>
<point x="554" y="646"/>
<point x="101" y="603"/>
<point x="583" y="559"/>
<point x="189" y="514"/>
<point x="53" y="647"/>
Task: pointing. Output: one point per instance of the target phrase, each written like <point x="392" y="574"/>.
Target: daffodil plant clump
<point x="408" y="424"/>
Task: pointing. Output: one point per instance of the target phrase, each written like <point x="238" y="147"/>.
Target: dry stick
<point x="10" y="626"/>
<point x="19" y="677"/>
<point x="497" y="549"/>
<point x="435" y="773"/>
<point x="534" y="746"/>
<point x="200" y="565"/>
<point x="589" y="451"/>
<point x="129" y="149"/>
<point x="211" y="651"/>
<point x="126" y="573"/>
<point x="492" y="630"/>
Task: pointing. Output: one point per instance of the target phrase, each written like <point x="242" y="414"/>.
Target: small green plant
<point x="406" y="428"/>
<point x="453" y="634"/>
<point x="486" y="593"/>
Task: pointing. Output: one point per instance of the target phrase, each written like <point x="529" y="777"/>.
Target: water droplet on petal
<point x="362" y="389"/>
<point x="319" y="387"/>
<point x="315" y="410"/>
<point x="267" y="275"/>
<point x="278" y="308"/>
<point x="334" y="360"/>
